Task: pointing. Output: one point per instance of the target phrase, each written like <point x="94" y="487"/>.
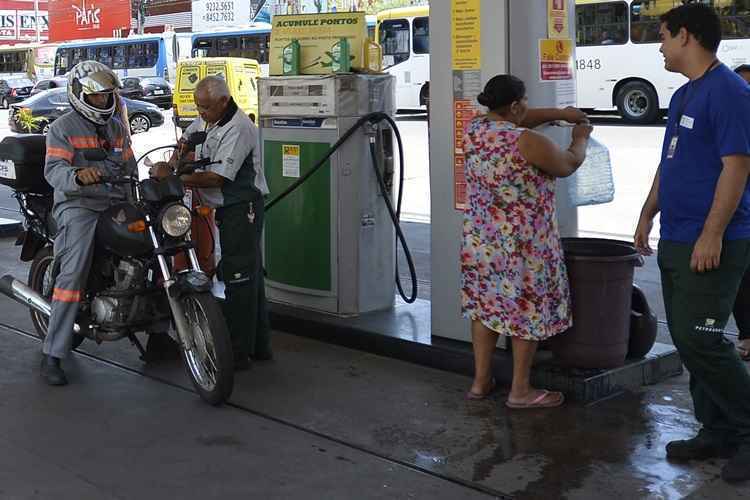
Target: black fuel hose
<point x="395" y="215"/>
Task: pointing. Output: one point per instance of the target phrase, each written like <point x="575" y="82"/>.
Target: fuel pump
<point x="330" y="234"/>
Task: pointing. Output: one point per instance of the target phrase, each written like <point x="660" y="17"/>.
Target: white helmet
<point x="92" y="77"/>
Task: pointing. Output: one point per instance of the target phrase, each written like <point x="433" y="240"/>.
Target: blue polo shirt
<point x="715" y="123"/>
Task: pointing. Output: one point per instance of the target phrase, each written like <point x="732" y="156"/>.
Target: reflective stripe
<point x="60" y="153"/>
<point x="84" y="142"/>
<point x="62" y="295"/>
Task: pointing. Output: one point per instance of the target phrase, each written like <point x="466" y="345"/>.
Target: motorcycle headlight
<point x="176" y="220"/>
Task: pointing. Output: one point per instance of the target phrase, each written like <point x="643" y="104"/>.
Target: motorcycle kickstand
<point x="134" y="340"/>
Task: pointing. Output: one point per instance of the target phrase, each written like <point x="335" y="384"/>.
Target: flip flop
<point x="473" y="396"/>
<point x="540" y="401"/>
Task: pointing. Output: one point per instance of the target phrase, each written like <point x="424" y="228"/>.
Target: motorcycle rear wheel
<point x="210" y="363"/>
<point x="41" y="281"/>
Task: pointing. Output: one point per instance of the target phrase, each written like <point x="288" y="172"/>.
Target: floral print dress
<point x="513" y="276"/>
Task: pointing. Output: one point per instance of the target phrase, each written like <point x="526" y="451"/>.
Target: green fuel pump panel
<point x="329" y="245"/>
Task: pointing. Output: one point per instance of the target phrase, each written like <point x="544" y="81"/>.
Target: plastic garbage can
<point x="600" y="273"/>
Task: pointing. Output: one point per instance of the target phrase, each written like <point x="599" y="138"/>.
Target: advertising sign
<point x="18" y="23"/>
<point x="556" y="60"/>
<point x="210" y="14"/>
<point x="74" y="19"/>
<point x="317" y="34"/>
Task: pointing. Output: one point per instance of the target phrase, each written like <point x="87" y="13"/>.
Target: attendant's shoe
<point x="701" y="447"/>
<point x="51" y="371"/>
<point x="737" y="469"/>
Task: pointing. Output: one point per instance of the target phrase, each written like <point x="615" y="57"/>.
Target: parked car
<point x="14" y="90"/>
<point x="49" y="83"/>
<point x="153" y="89"/>
<point x="52" y="104"/>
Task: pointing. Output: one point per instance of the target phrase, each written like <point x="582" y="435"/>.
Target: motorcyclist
<point x="79" y="195"/>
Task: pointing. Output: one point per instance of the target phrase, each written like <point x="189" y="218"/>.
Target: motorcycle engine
<point x="111" y="305"/>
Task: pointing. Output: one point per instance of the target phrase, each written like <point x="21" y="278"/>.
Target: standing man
<point x="701" y="191"/>
<point x="235" y="186"/>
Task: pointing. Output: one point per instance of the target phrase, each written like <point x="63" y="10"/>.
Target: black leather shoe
<point x="738" y="467"/>
<point x="701" y="447"/>
<point x="51" y="371"/>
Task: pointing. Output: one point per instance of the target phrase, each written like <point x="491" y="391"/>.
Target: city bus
<point x="31" y="60"/>
<point x="618" y="62"/>
<point x="251" y="42"/>
<point x="136" y="55"/>
<point x="404" y="35"/>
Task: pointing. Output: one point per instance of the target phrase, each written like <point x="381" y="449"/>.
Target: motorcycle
<point x="132" y="285"/>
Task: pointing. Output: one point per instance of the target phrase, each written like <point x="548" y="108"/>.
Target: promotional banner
<point x="18" y="23"/>
<point x="74" y="19"/>
<point x="555" y="60"/>
<point x="317" y="34"/>
<point x="210" y="14"/>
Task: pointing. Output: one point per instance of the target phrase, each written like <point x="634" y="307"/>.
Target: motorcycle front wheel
<point x="209" y="363"/>
<point x="42" y="282"/>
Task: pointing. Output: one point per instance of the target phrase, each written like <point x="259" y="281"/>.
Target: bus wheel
<point x="638" y="103"/>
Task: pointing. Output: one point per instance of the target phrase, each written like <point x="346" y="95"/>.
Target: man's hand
<point x="574" y="115"/>
<point x="706" y="253"/>
<point x="87" y="176"/>
<point x="642" y="232"/>
<point x="160" y="170"/>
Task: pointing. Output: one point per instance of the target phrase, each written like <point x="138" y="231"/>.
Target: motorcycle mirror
<point x="95" y="155"/>
<point x="196" y="138"/>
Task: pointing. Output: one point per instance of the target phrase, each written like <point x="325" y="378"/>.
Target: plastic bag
<point x="592" y="183"/>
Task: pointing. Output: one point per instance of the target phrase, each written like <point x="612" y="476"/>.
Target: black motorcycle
<point x="132" y="285"/>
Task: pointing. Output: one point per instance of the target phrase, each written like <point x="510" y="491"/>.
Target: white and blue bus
<point x="137" y="55"/>
<point x="252" y="42"/>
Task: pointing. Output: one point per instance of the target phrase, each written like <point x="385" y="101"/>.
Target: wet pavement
<point x="322" y="421"/>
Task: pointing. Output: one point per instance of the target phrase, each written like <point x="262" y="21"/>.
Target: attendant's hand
<point x="87" y="176"/>
<point x="706" y="253"/>
<point x="160" y="170"/>
<point x="574" y="115"/>
<point x="642" y="233"/>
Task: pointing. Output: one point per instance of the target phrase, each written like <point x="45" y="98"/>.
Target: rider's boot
<point x="51" y="371"/>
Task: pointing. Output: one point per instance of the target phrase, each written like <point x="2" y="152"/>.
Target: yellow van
<point x="240" y="74"/>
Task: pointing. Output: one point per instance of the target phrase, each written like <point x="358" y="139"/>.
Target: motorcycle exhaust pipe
<point x="21" y="293"/>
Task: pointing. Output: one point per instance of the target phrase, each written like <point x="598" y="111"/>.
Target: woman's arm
<point x="548" y="157"/>
<point x="538" y="116"/>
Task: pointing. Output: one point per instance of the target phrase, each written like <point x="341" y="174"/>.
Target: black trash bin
<point x="600" y="273"/>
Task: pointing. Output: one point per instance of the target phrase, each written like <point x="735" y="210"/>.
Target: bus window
<point x="104" y="56"/>
<point x="135" y="56"/>
<point x="255" y="47"/>
<point x="601" y="24"/>
<point x="421" y="34"/>
<point x="735" y="18"/>
<point x="150" y="53"/>
<point x="119" y="56"/>
<point x="226" y="46"/>
<point x="644" y="19"/>
<point x="202" y="47"/>
<point x="394" y="38"/>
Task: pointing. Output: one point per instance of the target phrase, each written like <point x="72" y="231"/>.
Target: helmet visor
<point x="99" y="82"/>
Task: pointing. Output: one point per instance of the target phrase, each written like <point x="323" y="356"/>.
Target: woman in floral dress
<point x="513" y="276"/>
